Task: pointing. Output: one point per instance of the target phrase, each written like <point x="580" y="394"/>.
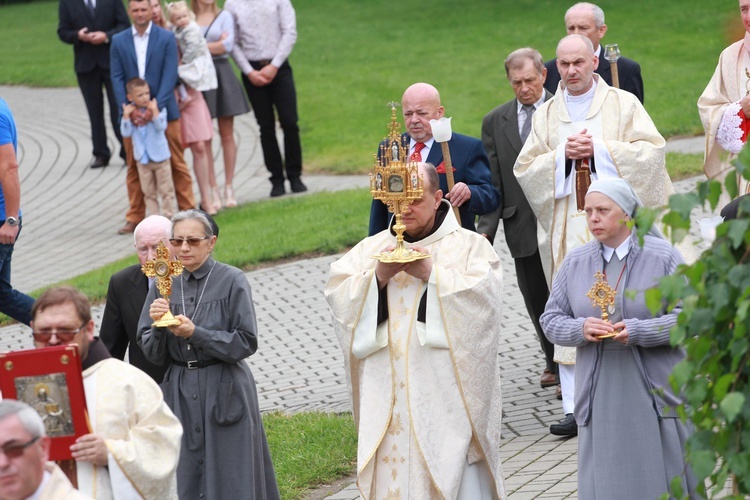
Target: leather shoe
<point x="99" y="162"/>
<point x="297" y="186"/>
<point x="558" y="392"/>
<point x="277" y="190"/>
<point x="548" y="379"/>
<point x="128" y="228"/>
<point x="565" y="427"/>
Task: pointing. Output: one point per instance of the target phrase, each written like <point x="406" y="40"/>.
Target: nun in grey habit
<point x="631" y="443"/>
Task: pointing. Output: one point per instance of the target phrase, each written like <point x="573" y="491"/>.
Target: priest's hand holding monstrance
<point x="396" y="182"/>
<point x="162" y="269"/>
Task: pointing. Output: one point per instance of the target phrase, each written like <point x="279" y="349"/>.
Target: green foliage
<point x="309" y="449"/>
<point x="713" y="329"/>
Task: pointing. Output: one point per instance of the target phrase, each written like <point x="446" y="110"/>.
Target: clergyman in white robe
<point x="721" y="113"/>
<point x="126" y="407"/>
<point x="426" y="395"/>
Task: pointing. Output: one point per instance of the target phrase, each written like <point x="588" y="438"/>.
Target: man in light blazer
<point x="150" y="52"/>
<point x="89" y="25"/>
<point x="502" y="130"/>
<point x="587" y="19"/>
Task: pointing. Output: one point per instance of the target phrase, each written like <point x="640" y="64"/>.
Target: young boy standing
<point x="150" y="146"/>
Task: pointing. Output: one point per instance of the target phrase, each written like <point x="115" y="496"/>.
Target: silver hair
<point x="193" y="214"/>
<point x="595" y="9"/>
<point x="29" y="418"/>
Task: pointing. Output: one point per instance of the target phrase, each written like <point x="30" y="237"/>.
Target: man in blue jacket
<point x="150" y="52"/>
<point x="473" y="193"/>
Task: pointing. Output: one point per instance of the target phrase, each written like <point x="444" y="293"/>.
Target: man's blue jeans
<point x="13" y="303"/>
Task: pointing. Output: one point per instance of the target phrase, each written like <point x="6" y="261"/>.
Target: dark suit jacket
<point x="502" y="142"/>
<point x="628" y="70"/>
<point x="161" y="67"/>
<point x="471" y="168"/>
<point x="125" y="298"/>
<point x="109" y="17"/>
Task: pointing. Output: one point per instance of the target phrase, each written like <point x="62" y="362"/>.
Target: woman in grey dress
<point x="228" y="100"/>
<point x="630" y="441"/>
<point x="209" y="385"/>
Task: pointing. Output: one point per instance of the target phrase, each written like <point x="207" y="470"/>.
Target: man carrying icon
<point x="421" y="351"/>
<point x="135" y="440"/>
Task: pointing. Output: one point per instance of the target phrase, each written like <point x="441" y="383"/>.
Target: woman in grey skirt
<point x="630" y="440"/>
<point x="228" y="100"/>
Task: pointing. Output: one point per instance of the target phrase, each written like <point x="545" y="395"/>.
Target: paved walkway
<point x="71" y="215"/>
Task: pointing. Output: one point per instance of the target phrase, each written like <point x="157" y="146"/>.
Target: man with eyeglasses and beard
<point x="134" y="445"/>
<point x="24" y="451"/>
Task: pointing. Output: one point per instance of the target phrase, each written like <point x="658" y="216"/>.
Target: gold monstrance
<point x="396" y="182"/>
<point x="602" y="295"/>
<point x="163" y="270"/>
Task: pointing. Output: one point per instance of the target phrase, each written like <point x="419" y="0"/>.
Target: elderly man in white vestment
<point x="724" y="107"/>
<point x="134" y="446"/>
<point x="589" y="130"/>
<point x="420" y="344"/>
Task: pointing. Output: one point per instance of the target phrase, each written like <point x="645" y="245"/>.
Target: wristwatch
<point x="12" y="221"/>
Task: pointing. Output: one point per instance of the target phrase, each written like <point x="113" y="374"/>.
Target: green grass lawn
<point x="310" y="449"/>
<point x="351" y="58"/>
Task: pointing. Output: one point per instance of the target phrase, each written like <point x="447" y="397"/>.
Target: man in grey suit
<point x="504" y="130"/>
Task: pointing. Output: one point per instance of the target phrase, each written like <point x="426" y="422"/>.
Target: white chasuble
<point x="627" y="144"/>
<point x="142" y="435"/>
<point x="426" y="396"/>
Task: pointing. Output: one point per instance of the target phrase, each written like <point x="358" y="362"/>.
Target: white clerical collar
<point x="427" y="144"/>
<point x="38" y="493"/>
<point x="145" y="33"/>
<point x="622" y="250"/>
<point x="585" y="97"/>
<point x="519" y="106"/>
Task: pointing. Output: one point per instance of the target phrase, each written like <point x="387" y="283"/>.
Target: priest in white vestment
<point x="724" y="108"/>
<point x="604" y="131"/>
<point x="420" y="344"/>
<point x="134" y="446"/>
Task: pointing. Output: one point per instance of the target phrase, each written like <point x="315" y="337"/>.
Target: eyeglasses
<point x="16" y="450"/>
<point x="65" y="335"/>
<point x="193" y="242"/>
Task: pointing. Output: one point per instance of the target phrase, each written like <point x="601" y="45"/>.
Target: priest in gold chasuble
<point x="588" y="131"/>
<point x="420" y="344"/>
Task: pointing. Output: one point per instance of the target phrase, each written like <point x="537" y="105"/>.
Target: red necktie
<point x="417" y="155"/>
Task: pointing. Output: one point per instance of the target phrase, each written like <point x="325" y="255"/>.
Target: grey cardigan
<point x="648" y="335"/>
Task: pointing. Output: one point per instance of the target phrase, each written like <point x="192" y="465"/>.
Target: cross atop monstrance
<point x="396" y="182"/>
<point x="162" y="269"/>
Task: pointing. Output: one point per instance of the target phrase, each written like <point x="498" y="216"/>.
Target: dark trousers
<point x="280" y="93"/>
<point x="533" y="285"/>
<point x="91" y="87"/>
<point x="13" y="303"/>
